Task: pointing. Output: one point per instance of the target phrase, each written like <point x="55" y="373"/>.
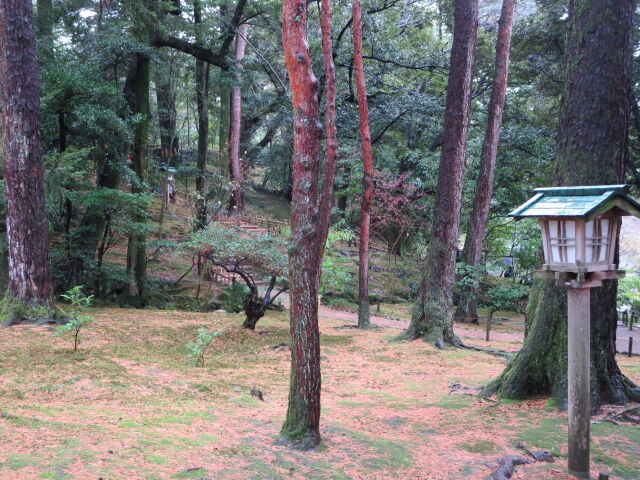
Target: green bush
<point x="233" y="297"/>
<point x="197" y="350"/>
<point x="629" y="293"/>
<point x="79" y="302"/>
<point x="339" y="303"/>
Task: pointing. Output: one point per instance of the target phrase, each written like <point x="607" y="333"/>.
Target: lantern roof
<point x="586" y="202"/>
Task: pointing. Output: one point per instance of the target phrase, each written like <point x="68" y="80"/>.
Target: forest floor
<point x="128" y="406"/>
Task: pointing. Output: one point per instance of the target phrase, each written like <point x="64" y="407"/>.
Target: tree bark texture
<point x="167" y="115"/>
<point x="591" y="150"/>
<point x="27" y="227"/>
<point x="202" y="105"/>
<point x="223" y="120"/>
<point x="330" y="129"/>
<point x="202" y="101"/>
<point x="484" y="185"/>
<point x="235" y="123"/>
<point x="301" y="428"/>
<point x="367" y="161"/>
<point x="432" y="315"/>
<point x="137" y="94"/>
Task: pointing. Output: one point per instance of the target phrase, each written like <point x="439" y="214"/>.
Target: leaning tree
<point x="591" y="150"/>
<point x="29" y="292"/>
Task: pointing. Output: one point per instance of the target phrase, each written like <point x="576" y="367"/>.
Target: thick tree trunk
<point x="591" y="150"/>
<point x="27" y="227"/>
<point x="236" y="204"/>
<point x="301" y="428"/>
<point x="484" y="185"/>
<point x="432" y="313"/>
<point x="137" y="95"/>
<point x="367" y="160"/>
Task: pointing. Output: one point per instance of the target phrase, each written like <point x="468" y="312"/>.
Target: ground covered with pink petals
<point x="128" y="405"/>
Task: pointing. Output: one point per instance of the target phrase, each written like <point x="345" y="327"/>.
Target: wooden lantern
<point x="579" y="225"/>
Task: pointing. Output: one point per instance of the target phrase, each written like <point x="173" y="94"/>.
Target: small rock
<point x="397" y="421"/>
<point x="220" y="310"/>
<point x="256" y="393"/>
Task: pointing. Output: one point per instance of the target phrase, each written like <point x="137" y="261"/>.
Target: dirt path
<point x="325" y="312"/>
<point x="329" y="313"/>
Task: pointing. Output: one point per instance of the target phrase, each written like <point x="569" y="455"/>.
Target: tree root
<point x="492" y="351"/>
<point x="507" y="465"/>
<point x="303" y="444"/>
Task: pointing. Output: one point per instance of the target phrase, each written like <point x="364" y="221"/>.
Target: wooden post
<point x="579" y="380"/>
<point x="630" y="352"/>
<point x="488" y="332"/>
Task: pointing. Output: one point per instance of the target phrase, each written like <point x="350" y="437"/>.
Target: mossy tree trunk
<point x="591" y="150"/>
<point x="301" y="428"/>
<point x="202" y="104"/>
<point x="137" y="95"/>
<point x="27" y="226"/>
<point x="432" y="314"/>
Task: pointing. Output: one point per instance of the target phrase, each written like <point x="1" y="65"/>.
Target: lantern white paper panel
<point x="562" y="240"/>
<point x="596" y="240"/>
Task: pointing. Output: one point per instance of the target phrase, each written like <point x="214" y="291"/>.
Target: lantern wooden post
<point x="577" y="224"/>
<point x="579" y="326"/>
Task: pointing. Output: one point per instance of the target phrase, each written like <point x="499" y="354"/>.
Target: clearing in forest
<point x="128" y="406"/>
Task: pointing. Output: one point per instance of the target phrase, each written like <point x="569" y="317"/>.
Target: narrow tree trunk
<point x="224" y="113"/>
<point x="330" y="129"/>
<point x="432" y="313"/>
<point x="591" y="150"/>
<point x="484" y="185"/>
<point x="367" y="160"/>
<point x="202" y="96"/>
<point x="137" y="95"/>
<point x="202" y="105"/>
<point x="301" y="428"/>
<point x="223" y="120"/>
<point x="235" y="169"/>
<point x="167" y="115"/>
<point x="27" y="228"/>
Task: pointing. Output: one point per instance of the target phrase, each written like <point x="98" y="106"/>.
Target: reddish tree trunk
<point x="484" y="184"/>
<point x="301" y="428"/>
<point x="235" y="169"/>
<point x="331" y="133"/>
<point x="27" y="229"/>
<point x="432" y="315"/>
<point x="367" y="160"/>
